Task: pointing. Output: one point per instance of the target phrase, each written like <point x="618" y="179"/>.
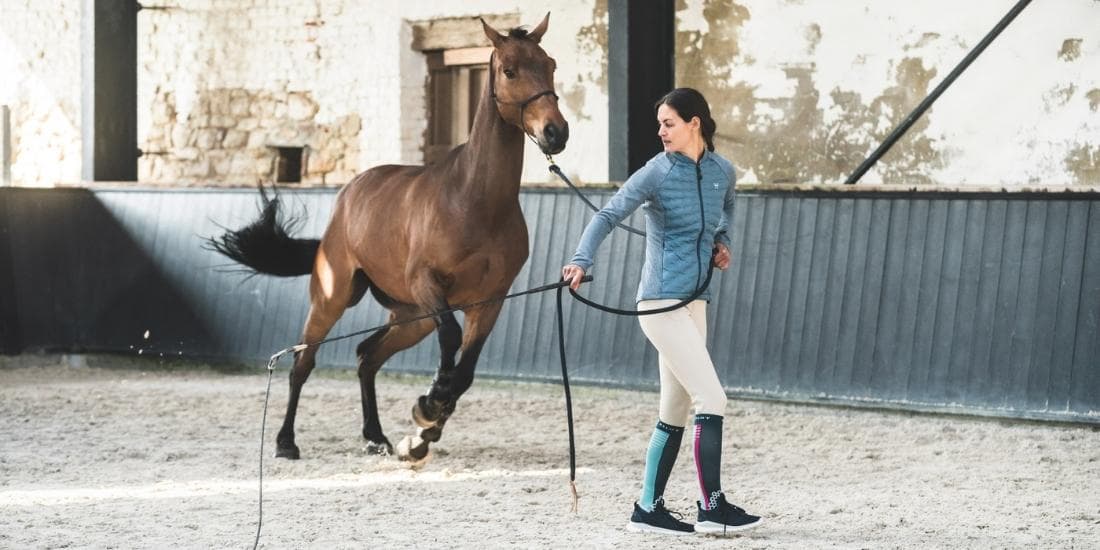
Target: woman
<point x="687" y="192"/>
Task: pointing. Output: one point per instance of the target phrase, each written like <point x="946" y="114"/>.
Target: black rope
<point x="554" y="168"/>
<point x="559" y="286"/>
<point x="263" y="428"/>
<point x="568" y="402"/>
<point x="633" y="312"/>
<point x="272" y="362"/>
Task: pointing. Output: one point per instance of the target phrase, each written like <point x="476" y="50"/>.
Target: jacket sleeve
<point x="722" y="233"/>
<point x="637" y="189"/>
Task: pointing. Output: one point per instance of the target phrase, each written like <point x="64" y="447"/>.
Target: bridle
<point x="522" y="104"/>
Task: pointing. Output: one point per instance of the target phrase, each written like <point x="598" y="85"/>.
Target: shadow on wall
<point x="73" y="279"/>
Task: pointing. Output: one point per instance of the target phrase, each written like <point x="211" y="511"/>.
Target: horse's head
<point x="521" y="79"/>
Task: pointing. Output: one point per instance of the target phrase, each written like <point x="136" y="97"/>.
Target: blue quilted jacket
<point x="669" y="187"/>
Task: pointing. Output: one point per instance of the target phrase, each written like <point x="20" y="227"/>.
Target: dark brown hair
<point x="689" y="103"/>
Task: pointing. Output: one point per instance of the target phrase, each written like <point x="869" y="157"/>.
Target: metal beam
<point x="932" y="97"/>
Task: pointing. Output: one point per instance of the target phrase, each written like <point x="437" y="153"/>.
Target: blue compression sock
<point x="664" y="445"/>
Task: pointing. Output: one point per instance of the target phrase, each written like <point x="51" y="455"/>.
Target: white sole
<point x="713" y="528"/>
<point x="647" y="528"/>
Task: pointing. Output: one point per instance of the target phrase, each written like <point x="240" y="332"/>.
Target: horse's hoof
<point x="380" y="448"/>
<point x="408" y="453"/>
<point x="290" y="452"/>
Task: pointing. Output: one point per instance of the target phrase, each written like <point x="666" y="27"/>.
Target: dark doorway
<point x="641" y="63"/>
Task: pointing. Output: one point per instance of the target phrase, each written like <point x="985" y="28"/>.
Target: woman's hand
<point x="721" y="256"/>
<point x="572" y="273"/>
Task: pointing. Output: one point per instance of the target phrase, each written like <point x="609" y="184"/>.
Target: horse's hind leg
<point x="451" y="381"/>
<point x="329" y="297"/>
<point x="373" y="352"/>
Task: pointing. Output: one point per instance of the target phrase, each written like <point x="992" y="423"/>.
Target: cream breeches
<point x="688" y="380"/>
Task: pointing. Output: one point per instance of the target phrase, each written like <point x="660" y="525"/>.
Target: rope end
<point x="275" y="358"/>
<point x="576" y="497"/>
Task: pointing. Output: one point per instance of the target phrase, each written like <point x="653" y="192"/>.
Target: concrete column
<point x="109" y="90"/>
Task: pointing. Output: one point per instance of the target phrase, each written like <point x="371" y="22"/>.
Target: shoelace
<point x="659" y="506"/>
<point x="726" y="508"/>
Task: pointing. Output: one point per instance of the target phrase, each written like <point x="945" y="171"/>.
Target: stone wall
<point x="338" y="77"/>
<point x="40" y="83"/>
<point x="231" y="135"/>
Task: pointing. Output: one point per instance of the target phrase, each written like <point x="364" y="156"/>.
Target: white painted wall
<point x="1011" y="119"/>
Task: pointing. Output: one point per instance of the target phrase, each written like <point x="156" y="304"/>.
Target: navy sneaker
<point x="660" y="520"/>
<point x="724" y="518"/>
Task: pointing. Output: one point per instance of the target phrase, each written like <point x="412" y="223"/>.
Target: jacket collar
<point x="677" y="157"/>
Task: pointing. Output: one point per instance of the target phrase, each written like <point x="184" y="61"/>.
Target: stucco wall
<point x="804" y="91"/>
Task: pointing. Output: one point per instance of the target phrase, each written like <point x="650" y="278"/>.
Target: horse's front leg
<point x="451" y="381"/>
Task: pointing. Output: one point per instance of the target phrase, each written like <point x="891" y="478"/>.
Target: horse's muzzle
<point x="554" y="138"/>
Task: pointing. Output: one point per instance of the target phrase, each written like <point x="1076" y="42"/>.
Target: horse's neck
<point x="492" y="158"/>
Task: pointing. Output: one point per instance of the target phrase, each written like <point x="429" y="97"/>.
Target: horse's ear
<point x="536" y="34"/>
<point x="495" y="37"/>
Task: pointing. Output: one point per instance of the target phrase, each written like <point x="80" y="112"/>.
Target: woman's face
<point x="676" y="134"/>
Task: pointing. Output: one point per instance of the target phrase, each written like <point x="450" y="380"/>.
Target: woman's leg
<point x="680" y="338"/>
<point x="664" y="444"/>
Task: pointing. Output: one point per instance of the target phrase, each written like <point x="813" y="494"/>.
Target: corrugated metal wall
<point x="978" y="303"/>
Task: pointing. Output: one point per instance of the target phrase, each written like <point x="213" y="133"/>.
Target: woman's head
<point x="683" y="116"/>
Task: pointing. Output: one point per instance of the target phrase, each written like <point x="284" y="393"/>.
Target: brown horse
<point x="422" y="238"/>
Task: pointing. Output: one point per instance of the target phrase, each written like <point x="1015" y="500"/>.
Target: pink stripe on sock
<point x="699" y="468"/>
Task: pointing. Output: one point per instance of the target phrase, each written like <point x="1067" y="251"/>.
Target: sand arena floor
<point x="125" y="453"/>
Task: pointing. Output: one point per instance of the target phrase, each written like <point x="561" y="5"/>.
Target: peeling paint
<point x="781" y="131"/>
<point x="1071" y="49"/>
<point x="591" y="40"/>
<point x="813" y="37"/>
<point x="1094" y="99"/>
<point x="925" y="40"/>
<point x="1084" y="163"/>
<point x="1059" y="97"/>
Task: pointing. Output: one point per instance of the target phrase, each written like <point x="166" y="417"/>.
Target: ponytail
<point x="709" y="127"/>
<point x="689" y="103"/>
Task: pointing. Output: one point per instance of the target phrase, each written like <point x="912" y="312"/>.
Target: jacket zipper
<point x="702" y="223"/>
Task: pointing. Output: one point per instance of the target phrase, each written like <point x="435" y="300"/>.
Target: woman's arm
<point x="634" y="192"/>
<point x="637" y="189"/>
<point x="721" y="235"/>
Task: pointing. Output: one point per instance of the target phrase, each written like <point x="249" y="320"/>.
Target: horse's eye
<point x="509" y="73"/>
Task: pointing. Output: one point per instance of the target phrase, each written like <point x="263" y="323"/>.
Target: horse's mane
<point x="518" y="32"/>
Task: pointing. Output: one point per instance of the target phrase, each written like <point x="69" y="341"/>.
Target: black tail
<point x="265" y="246"/>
